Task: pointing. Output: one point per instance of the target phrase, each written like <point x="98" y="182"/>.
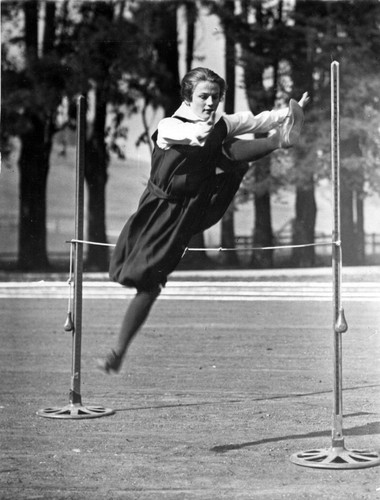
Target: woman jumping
<point x="197" y="167"/>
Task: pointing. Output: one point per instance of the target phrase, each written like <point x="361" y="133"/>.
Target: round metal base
<point x="336" y="458"/>
<point x="75" y="411"/>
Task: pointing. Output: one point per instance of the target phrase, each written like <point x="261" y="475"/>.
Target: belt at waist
<point x="160" y="193"/>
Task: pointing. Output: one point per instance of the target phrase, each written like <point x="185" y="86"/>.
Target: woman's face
<point x="205" y="100"/>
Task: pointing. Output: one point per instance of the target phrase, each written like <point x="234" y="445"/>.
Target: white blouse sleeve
<point x="172" y="131"/>
<point x="246" y="122"/>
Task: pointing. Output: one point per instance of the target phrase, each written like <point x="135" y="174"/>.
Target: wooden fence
<point x="61" y="230"/>
<point x="371" y="244"/>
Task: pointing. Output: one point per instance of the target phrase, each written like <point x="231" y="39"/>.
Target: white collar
<point x="184" y="111"/>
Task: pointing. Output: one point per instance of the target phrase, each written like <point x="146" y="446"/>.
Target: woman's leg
<point x="252" y="150"/>
<point x="135" y="316"/>
<point x="234" y="167"/>
<point x="227" y="184"/>
<point x="285" y="136"/>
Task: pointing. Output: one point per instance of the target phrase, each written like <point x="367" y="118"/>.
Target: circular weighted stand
<point x="75" y="409"/>
<point x="337" y="456"/>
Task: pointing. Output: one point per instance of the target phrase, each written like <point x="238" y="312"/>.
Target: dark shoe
<point x="112" y="362"/>
<point x="290" y="130"/>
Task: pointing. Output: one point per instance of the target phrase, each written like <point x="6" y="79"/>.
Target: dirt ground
<point x="214" y="398"/>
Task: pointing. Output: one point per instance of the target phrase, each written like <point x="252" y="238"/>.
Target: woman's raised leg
<point x="285" y="136"/>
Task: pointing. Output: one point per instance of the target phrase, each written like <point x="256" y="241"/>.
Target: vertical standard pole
<point x="75" y="409"/>
<point x="339" y="323"/>
<point x="337" y="456"/>
<point x="75" y="395"/>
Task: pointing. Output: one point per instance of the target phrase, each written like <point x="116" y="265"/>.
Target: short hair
<point x="196" y="75"/>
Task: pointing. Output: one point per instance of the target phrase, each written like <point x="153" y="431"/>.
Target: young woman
<point x="197" y="167"/>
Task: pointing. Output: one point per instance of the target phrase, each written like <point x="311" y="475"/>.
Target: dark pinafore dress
<point x="184" y="196"/>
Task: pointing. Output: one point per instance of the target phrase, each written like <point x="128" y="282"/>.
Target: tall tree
<point x="158" y="21"/>
<point x="191" y="18"/>
<point x="109" y="50"/>
<point x="98" y="50"/>
<point x="240" y="29"/>
<point x="358" y="36"/>
<point x="302" y="62"/>
<point x="257" y="57"/>
<point x="227" y="224"/>
<point x="31" y="94"/>
<point x="88" y="48"/>
<point x="349" y="33"/>
<point x="197" y="259"/>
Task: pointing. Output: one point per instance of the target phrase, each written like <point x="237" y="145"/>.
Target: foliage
<point x="95" y="47"/>
<point x="276" y="42"/>
<point x="353" y="40"/>
<point x="128" y="58"/>
<point x="84" y="46"/>
<point x="32" y="88"/>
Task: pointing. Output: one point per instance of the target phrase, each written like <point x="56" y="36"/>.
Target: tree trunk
<point x="352" y="220"/>
<point x="352" y="227"/>
<point x="191" y="15"/>
<point x="49" y="31"/>
<point x="228" y="223"/>
<point x="31" y="31"/>
<point x="33" y="167"/>
<point x="304" y="224"/>
<point x="259" y="100"/>
<point x="360" y="233"/>
<point x="33" y="164"/>
<point x="197" y="260"/>
<point x="349" y="254"/>
<point x="229" y="259"/>
<point x="167" y="49"/>
<point x="262" y="232"/>
<point x="96" y="177"/>
<point x="302" y="61"/>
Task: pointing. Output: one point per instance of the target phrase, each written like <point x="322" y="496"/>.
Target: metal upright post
<point x="337" y="456"/>
<point x="339" y="322"/>
<point x="75" y="395"/>
<point x="75" y="409"/>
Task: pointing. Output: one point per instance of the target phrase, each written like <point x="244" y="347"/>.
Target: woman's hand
<point x="204" y="128"/>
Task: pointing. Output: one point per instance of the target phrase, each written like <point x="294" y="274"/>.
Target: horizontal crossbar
<point x="222" y="249"/>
